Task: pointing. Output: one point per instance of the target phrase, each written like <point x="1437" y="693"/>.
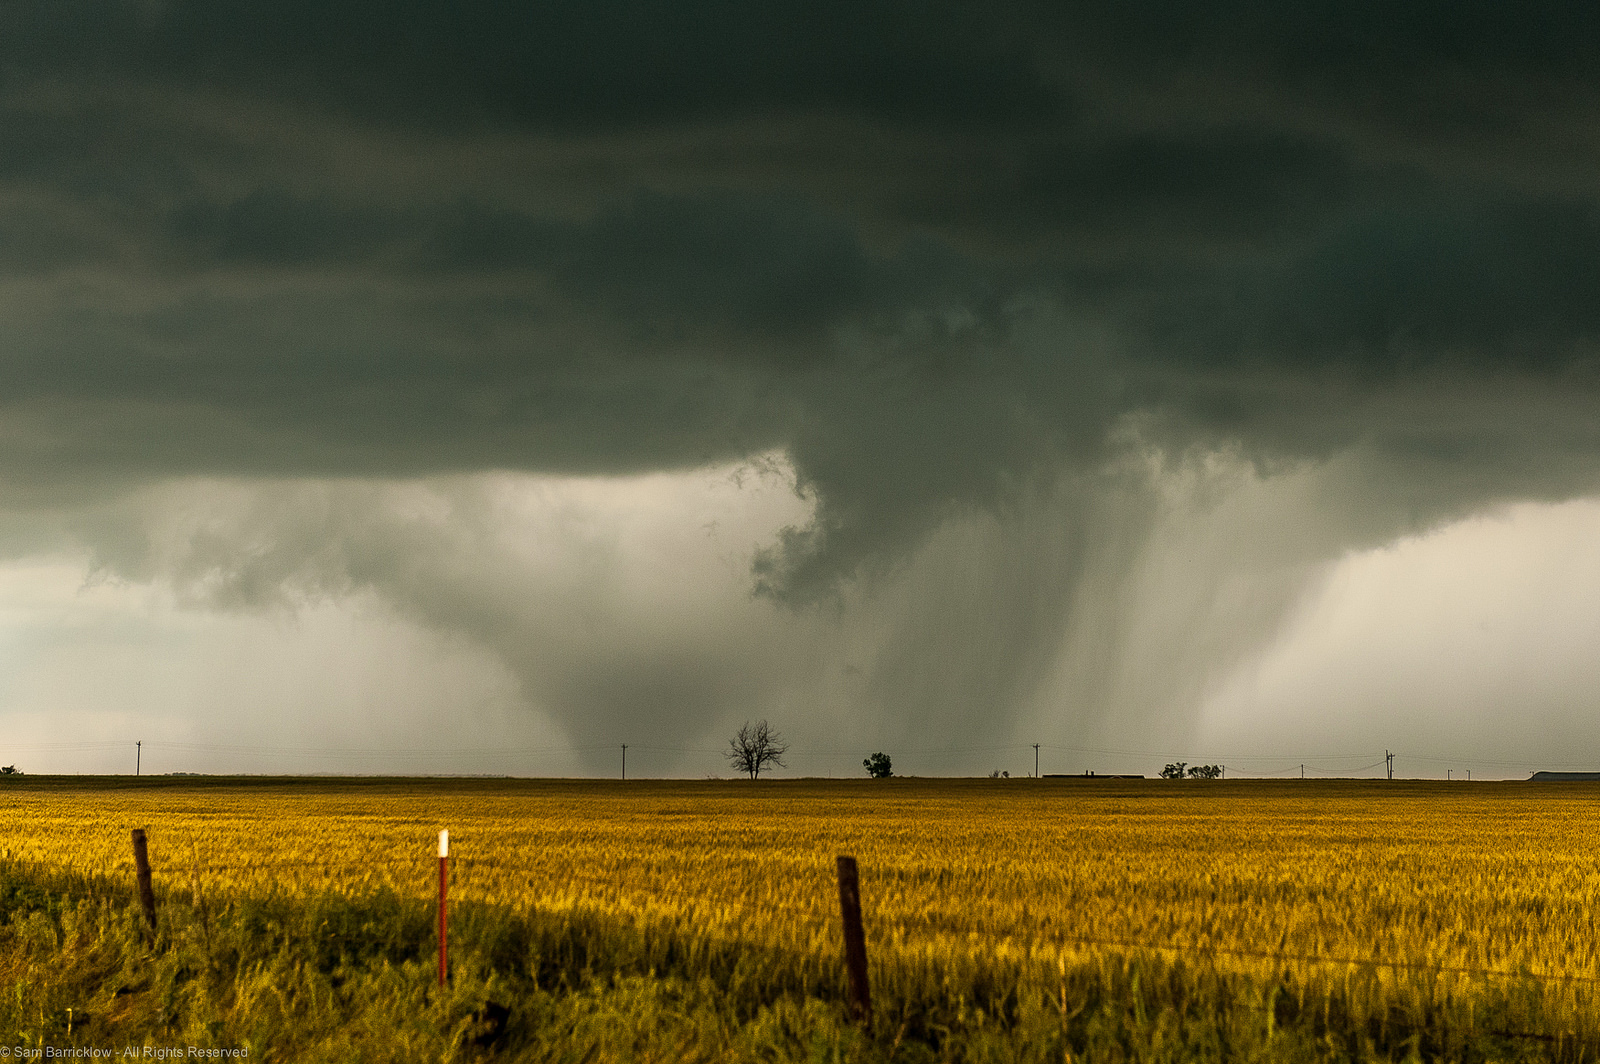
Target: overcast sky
<point x="418" y="386"/>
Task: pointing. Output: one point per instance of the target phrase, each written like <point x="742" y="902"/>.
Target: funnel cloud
<point x="935" y="378"/>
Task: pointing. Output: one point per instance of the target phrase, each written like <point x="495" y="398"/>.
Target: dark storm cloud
<point x="936" y="254"/>
<point x="1336" y="40"/>
<point x="1495" y="280"/>
<point x="562" y="63"/>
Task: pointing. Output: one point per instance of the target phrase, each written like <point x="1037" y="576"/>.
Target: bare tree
<point x="755" y="747"/>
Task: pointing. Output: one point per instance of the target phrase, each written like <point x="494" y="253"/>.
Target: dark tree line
<point x="1179" y="769"/>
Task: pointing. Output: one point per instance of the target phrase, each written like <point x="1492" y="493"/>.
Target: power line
<point x="1268" y="764"/>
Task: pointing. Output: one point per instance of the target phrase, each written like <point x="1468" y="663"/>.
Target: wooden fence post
<point x="141" y="866"/>
<point x="855" y="941"/>
<point x="444" y="859"/>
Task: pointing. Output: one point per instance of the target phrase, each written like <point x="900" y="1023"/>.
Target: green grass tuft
<point x="336" y="978"/>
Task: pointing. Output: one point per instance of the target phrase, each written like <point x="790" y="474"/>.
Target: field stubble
<point x="1125" y="919"/>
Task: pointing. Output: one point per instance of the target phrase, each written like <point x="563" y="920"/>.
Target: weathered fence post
<point x="855" y="941"/>
<point x="444" y="859"/>
<point x="141" y="867"/>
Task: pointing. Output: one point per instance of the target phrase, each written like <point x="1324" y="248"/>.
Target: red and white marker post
<point x="444" y="877"/>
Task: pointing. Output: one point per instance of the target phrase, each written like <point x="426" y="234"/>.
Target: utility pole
<point x="1035" y="760"/>
<point x="1302" y="771"/>
<point x="138" y="755"/>
<point x="624" y="760"/>
<point x="1388" y="761"/>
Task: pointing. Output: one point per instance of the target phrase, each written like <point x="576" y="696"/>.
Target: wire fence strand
<point x="544" y="885"/>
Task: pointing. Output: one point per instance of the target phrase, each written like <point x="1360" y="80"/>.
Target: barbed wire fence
<point x="603" y="889"/>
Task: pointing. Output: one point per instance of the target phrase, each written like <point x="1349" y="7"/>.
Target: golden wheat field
<point x="1499" y="877"/>
<point x="1419" y="893"/>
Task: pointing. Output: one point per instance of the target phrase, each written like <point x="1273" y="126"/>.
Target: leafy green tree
<point x="878" y="766"/>
<point x="1174" y="771"/>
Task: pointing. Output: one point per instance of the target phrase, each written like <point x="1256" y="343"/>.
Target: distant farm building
<point x="1562" y="777"/>
<point x="1089" y="775"/>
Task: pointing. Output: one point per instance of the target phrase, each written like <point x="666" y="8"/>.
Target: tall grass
<point x="697" y="922"/>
